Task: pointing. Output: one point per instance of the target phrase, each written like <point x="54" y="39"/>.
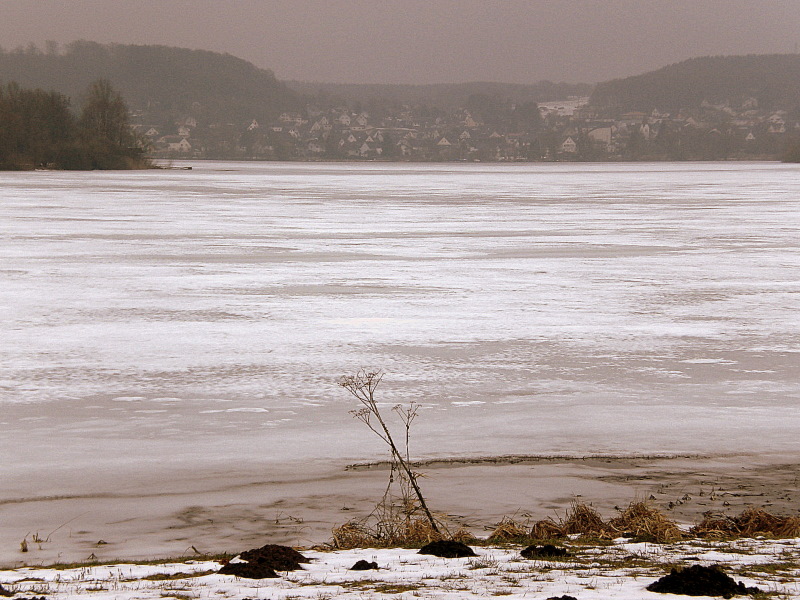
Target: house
<point x="175" y="143"/>
<point x="568" y="146"/>
<point x="253" y="125"/>
<point x="184" y="131"/>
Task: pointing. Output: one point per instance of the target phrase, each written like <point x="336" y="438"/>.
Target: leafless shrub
<point x="402" y="516"/>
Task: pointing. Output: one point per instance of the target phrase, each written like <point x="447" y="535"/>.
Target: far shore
<point x="205" y="514"/>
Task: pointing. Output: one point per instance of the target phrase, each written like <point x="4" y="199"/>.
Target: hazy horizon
<point x="418" y="42"/>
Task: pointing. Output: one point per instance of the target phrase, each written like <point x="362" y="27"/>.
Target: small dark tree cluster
<point x="38" y="129"/>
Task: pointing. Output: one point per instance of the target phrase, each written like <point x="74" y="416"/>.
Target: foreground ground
<point x="620" y="570"/>
<point x="145" y="518"/>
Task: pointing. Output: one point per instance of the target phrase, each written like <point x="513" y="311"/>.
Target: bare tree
<point x="362" y="386"/>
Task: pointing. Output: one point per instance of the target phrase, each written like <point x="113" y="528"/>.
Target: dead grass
<point x="643" y="522"/>
<point x="546" y="529"/>
<point x="174" y="576"/>
<point x="585" y="521"/>
<point x="410" y="532"/>
<point x="507" y="531"/>
<point x="639" y="521"/>
<point x="751" y="522"/>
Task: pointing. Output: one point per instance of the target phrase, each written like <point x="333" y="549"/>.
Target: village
<point x="568" y="130"/>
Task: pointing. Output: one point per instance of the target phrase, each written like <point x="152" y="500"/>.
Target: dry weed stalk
<point x="395" y="519"/>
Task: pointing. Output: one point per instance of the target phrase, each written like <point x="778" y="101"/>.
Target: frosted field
<point x="154" y="320"/>
<point x="620" y="572"/>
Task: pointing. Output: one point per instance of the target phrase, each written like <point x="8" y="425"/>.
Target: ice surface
<point x="158" y="317"/>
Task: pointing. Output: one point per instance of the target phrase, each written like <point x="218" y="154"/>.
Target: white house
<point x="175" y="143"/>
<point x="568" y="146"/>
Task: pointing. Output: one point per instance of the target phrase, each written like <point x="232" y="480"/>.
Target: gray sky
<point x="424" y="41"/>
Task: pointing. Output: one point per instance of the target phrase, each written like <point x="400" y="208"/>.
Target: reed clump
<point x="643" y="522"/>
<point x="546" y="529"/>
<point x="386" y="533"/>
<point x="639" y="521"/>
<point x="584" y="521"/>
<point x="752" y="522"/>
<point x="508" y="530"/>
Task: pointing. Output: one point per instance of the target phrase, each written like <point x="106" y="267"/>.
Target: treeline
<point x="164" y="82"/>
<point x="38" y="129"/>
<point x="772" y="80"/>
<point x="445" y="96"/>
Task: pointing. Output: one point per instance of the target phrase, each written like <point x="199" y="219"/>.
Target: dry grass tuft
<point x="584" y="521"/>
<point x="408" y="532"/>
<point x="642" y="521"/>
<point x="639" y="520"/>
<point x="546" y="529"/>
<point x="751" y="523"/>
<point x="508" y="530"/>
<point x="463" y="536"/>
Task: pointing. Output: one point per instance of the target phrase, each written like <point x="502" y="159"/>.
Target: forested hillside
<point x="772" y="81"/>
<point x="160" y="79"/>
<point x="445" y="96"/>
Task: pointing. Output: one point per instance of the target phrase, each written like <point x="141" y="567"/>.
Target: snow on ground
<point x="618" y="571"/>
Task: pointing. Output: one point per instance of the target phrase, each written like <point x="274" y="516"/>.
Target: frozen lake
<point x="160" y="319"/>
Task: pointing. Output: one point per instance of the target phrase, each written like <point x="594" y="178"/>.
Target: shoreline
<point x="215" y="515"/>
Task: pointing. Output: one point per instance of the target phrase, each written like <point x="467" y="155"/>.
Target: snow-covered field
<point x="619" y="571"/>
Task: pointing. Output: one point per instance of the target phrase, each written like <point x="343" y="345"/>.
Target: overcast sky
<point x="424" y="41"/>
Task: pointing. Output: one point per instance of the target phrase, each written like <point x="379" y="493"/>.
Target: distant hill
<point x="773" y="80"/>
<point x="157" y="78"/>
<point x="442" y="95"/>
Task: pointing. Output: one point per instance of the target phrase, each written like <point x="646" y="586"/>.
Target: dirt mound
<point x="262" y="563"/>
<point x="363" y="565"/>
<point x="447" y="549"/>
<point x="562" y="598"/>
<point x="546" y="551"/>
<point x="249" y="570"/>
<point x="281" y="558"/>
<point x="698" y="580"/>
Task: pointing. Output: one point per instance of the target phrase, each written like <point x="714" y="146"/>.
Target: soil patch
<point x="363" y="565"/>
<point x="698" y="580"/>
<point x="546" y="551"/>
<point x="262" y="563"/>
<point x="447" y="549"/>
